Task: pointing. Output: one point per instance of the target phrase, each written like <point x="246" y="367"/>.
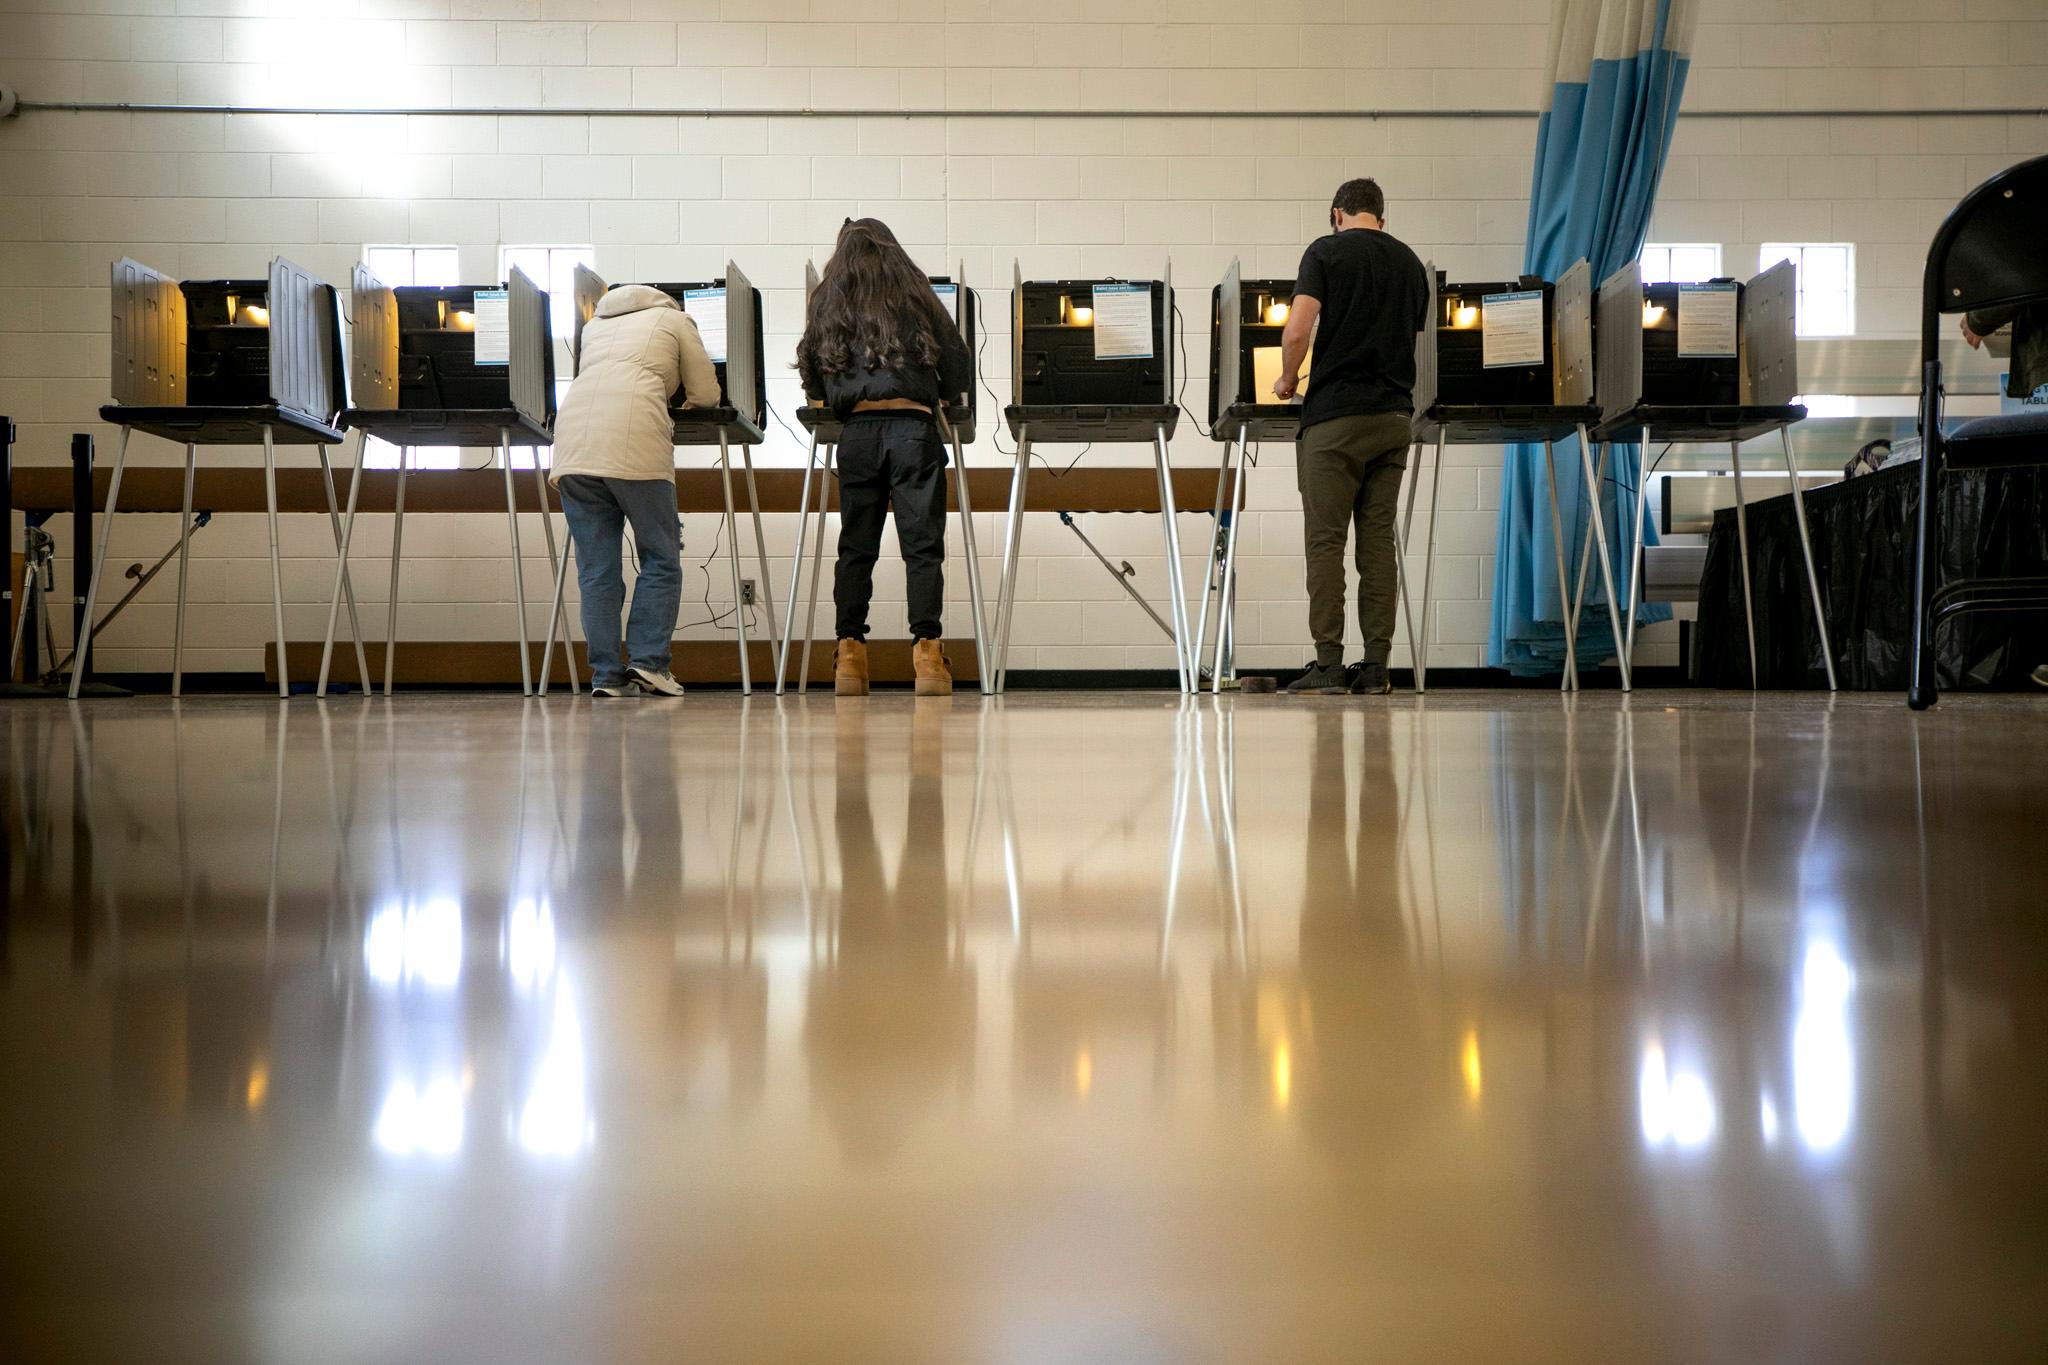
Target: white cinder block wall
<point x="1111" y="193"/>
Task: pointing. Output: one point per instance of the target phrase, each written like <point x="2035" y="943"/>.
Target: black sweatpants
<point x="891" y="460"/>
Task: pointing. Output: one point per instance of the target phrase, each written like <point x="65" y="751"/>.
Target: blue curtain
<point x="1617" y="70"/>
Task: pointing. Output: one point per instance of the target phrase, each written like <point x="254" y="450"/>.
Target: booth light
<point x="462" y="320"/>
<point x="1464" y="315"/>
<point x="1276" y="312"/>
<point x="1653" y="313"/>
<point x="1080" y="314"/>
<point x="256" y="315"/>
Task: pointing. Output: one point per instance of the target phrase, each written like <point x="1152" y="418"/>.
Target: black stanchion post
<point x="81" y="534"/>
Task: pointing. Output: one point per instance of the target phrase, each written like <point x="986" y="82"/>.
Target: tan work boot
<point x="850" y="668"/>
<point x="934" y="674"/>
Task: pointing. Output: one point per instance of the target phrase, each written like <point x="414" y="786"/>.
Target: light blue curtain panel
<point x="1617" y="69"/>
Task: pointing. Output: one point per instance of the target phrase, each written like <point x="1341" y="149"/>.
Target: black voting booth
<point x="221" y="362"/>
<point x="728" y="316"/>
<point x="416" y="380"/>
<point x="1725" y="371"/>
<point x="956" y="424"/>
<point x="1501" y="362"/>
<point x="1064" y="388"/>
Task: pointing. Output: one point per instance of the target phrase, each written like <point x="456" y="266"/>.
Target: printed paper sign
<point x="949" y="299"/>
<point x="1706" y="319"/>
<point x="493" y="311"/>
<point x="1123" y="321"/>
<point x="706" y="308"/>
<point x="1512" y="329"/>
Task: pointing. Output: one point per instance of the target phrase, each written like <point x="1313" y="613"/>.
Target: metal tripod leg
<point x="556" y="615"/>
<point x="1599" y="521"/>
<point x="1571" y="660"/>
<point x="1401" y="526"/>
<point x="547" y="526"/>
<point x="1820" y="613"/>
<point x="345" y="539"/>
<point x="760" y="542"/>
<point x="99" y="568"/>
<point x="1175" y="581"/>
<point x="397" y="536"/>
<point x="1742" y="547"/>
<point x="1230" y="448"/>
<point x="1013" y="531"/>
<point x="732" y="541"/>
<point x="1578" y="600"/>
<point x="348" y="584"/>
<point x="796" y="569"/>
<point x="1226" y="597"/>
<point x="803" y="674"/>
<point x="276" y="563"/>
<point x="977" y="605"/>
<point x="1639" y="554"/>
<point x="1436" y="483"/>
<point x="184" y="566"/>
<point x="518" y="565"/>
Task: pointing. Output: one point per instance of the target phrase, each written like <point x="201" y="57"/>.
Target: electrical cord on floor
<point x="716" y="620"/>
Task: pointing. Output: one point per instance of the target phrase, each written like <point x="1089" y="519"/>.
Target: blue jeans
<point x="598" y="510"/>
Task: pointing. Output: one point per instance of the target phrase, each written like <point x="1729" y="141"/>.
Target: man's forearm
<point x="1293" y="349"/>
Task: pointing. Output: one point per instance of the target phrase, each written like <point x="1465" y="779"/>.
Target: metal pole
<point x="81" y="471"/>
<point x="1742" y="547"/>
<point x="1436" y="483"/>
<point x="1820" y="614"/>
<point x="977" y="603"/>
<point x="348" y="583"/>
<point x="732" y="541"/>
<point x="547" y="526"/>
<point x="1013" y="531"/>
<point x="760" y="542"/>
<point x="397" y="535"/>
<point x="547" y="651"/>
<point x="1599" y="521"/>
<point x="1639" y="555"/>
<point x="1578" y="602"/>
<point x="518" y="563"/>
<point x="1226" y="597"/>
<point x="1216" y="534"/>
<point x="1571" y="660"/>
<point x="184" y="564"/>
<point x="796" y="567"/>
<point x="803" y="671"/>
<point x="1175" y="582"/>
<point x="348" y="531"/>
<point x="284" y="688"/>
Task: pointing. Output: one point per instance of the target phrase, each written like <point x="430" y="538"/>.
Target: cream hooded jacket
<point x="637" y="351"/>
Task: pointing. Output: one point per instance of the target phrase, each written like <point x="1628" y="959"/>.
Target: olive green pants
<point x="1349" y="470"/>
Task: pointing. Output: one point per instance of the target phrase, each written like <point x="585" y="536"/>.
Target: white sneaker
<point x="662" y="683"/>
<point x="623" y="689"/>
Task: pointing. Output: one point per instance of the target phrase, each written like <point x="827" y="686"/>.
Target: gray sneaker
<point x="1320" y="680"/>
<point x="661" y="683"/>
<point x="628" y="688"/>
<point x="1369" y="680"/>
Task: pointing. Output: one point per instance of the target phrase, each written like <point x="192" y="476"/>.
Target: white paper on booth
<point x="1123" y="321"/>
<point x="1706" y="319"/>
<point x="1266" y="372"/>
<point x="706" y="308"/>
<point x="493" y="311"/>
<point x="1512" y="329"/>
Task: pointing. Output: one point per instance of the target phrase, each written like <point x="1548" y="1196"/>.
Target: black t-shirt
<point x="1373" y="294"/>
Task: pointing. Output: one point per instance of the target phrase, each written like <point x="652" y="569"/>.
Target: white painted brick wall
<point x="216" y="195"/>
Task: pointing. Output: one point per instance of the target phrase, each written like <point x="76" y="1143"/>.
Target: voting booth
<point x="213" y="363"/>
<point x="727" y="313"/>
<point x="464" y="365"/>
<point x="1701" y="363"/>
<point x="956" y="423"/>
<point x="1092" y="361"/>
<point x="1501" y="362"/>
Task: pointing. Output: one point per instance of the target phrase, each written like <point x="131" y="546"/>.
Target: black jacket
<point x="2028" y="368"/>
<point x="948" y="383"/>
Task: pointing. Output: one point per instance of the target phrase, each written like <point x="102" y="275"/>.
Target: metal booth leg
<point x="184" y="565"/>
<point x="1013" y="531"/>
<point x="397" y="536"/>
<point x="732" y="541"/>
<point x="348" y="586"/>
<point x="1820" y="615"/>
<point x="803" y="673"/>
<point x="1742" y="548"/>
<point x="1436" y="483"/>
<point x="796" y="569"/>
<point x="760" y="543"/>
<point x="1175" y="583"/>
<point x="1578" y="602"/>
<point x="99" y="568"/>
<point x="1230" y="448"/>
<point x="547" y="526"/>
<point x="518" y="565"/>
<point x="1226" y="597"/>
<point x="1401" y="530"/>
<point x="1599" y="521"/>
<point x="977" y="606"/>
<point x="558" y="620"/>
<point x="1639" y="554"/>
<point x="276" y="563"/>
<point x="1571" y="657"/>
<point x="345" y="537"/>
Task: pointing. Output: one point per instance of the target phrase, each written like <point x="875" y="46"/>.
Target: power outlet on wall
<point x="746" y="592"/>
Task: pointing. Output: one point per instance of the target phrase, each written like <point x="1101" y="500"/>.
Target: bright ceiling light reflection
<point x="426" y="1121"/>
<point x="1676" y="1106"/>
<point x="530" y="944"/>
<point x="420" y="943"/>
<point x="556" y="1121"/>
<point x="1823" y="1058"/>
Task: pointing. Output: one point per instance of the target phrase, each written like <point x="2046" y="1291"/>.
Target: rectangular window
<point x="1681" y="262"/>
<point x="553" y="268"/>
<point x="1827" y="284"/>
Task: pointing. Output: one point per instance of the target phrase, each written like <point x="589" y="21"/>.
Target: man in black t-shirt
<point x="1362" y="294"/>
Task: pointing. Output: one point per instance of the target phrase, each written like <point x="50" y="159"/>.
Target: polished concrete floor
<point x="1067" y="1028"/>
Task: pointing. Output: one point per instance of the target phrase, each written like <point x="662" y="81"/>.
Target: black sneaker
<point x="1369" y="680"/>
<point x="1320" y="680"/>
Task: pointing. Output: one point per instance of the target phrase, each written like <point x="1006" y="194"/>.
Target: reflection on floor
<point x="1063" y="1028"/>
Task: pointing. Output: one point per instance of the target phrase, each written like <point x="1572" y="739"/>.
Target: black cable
<point x="981" y="372"/>
<point x="717" y="618"/>
<point x="1180" y="399"/>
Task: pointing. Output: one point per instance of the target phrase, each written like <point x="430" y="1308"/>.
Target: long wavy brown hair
<point x="873" y="309"/>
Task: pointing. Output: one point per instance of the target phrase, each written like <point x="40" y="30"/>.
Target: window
<point x="1827" y="284"/>
<point x="400" y="266"/>
<point x="1681" y="262"/>
<point x="553" y="268"/>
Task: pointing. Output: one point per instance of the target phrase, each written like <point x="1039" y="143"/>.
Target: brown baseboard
<point x="710" y="663"/>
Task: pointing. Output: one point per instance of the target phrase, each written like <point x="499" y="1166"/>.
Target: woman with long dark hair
<point x="880" y="351"/>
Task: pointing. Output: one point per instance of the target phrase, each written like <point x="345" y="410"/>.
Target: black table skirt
<point x="1993" y="522"/>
